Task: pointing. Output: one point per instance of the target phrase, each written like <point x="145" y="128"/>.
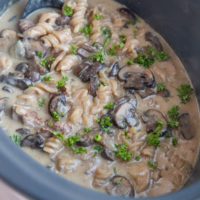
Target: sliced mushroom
<point x="151" y="117"/>
<point x="60" y="105"/>
<point x="25" y="24"/>
<point x="24" y="131"/>
<point x="3" y="102"/>
<point x="22" y="67"/>
<point x="62" y="20"/>
<point x="120" y="186"/>
<point x="154" y="40"/>
<point x="33" y="141"/>
<point x="33" y="76"/>
<point x="185" y="126"/>
<point x="124" y="113"/>
<point x="86" y="140"/>
<point x="7" y="89"/>
<point x="94" y="85"/>
<point x="127" y="13"/>
<point x="108" y="154"/>
<point x="21" y="83"/>
<point x="114" y="69"/>
<point x="86" y="51"/>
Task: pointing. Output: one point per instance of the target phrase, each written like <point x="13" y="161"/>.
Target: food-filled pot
<point x="178" y="22"/>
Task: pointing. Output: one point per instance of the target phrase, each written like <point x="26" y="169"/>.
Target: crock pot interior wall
<point x="178" y="22"/>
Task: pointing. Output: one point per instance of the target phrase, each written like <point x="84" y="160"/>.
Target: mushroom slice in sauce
<point x="94" y="85"/>
<point x="154" y="40"/>
<point x="185" y="126"/>
<point x="59" y="104"/>
<point x="124" y="113"/>
<point x="120" y="186"/>
<point x="108" y="154"/>
<point x="114" y="69"/>
<point x="34" y="141"/>
<point x="151" y="117"/>
<point x="25" y="24"/>
<point x="3" y="102"/>
<point x="24" y="131"/>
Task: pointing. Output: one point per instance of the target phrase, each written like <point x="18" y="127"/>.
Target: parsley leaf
<point x="47" y="62"/>
<point x="87" y="130"/>
<point x="74" y="49"/>
<point x="98" y="138"/>
<point x="98" y="149"/>
<point x="184" y="92"/>
<point x="174" y="142"/>
<point x="56" y="116"/>
<point x="99" y="56"/>
<point x="98" y="17"/>
<point x="87" y="30"/>
<point x="109" y="106"/>
<point x="61" y="83"/>
<point x="68" y="11"/>
<point x="173" y="115"/>
<point x="40" y="54"/>
<point x="106" y="123"/>
<point x="16" y="139"/>
<point x="122" y="152"/>
<point x="161" y="87"/>
<point x="47" y="78"/>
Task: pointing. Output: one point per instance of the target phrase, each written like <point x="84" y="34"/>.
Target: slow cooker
<point x="178" y="21"/>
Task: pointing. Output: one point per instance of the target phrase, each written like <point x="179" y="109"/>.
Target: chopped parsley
<point x="59" y="135"/>
<point x="109" y="106"/>
<point x="40" y="54"/>
<point x="150" y="56"/>
<point x="79" y="150"/>
<point x="41" y="102"/>
<point x="122" y="152"/>
<point x="106" y="123"/>
<point x="174" y="142"/>
<point x="106" y="32"/>
<point x="137" y="158"/>
<point x="47" y="78"/>
<point x="99" y="56"/>
<point x="87" y="30"/>
<point x="113" y="50"/>
<point x="47" y="62"/>
<point x="161" y="87"/>
<point x="153" y="138"/>
<point x="98" y="149"/>
<point x="16" y="139"/>
<point x="123" y="40"/>
<point x="184" y="92"/>
<point x="74" y="49"/>
<point x="173" y="115"/>
<point x="61" y="83"/>
<point x="98" y="17"/>
<point x="71" y="141"/>
<point x="152" y="165"/>
<point x="130" y="62"/>
<point x="87" y="130"/>
<point x="68" y="11"/>
<point x="98" y="138"/>
<point x="56" y="116"/>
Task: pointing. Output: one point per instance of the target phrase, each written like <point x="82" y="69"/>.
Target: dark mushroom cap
<point x="151" y="117"/>
<point x="185" y="127"/>
<point x="108" y="154"/>
<point x="114" y="69"/>
<point x="94" y="85"/>
<point x="33" y="141"/>
<point x="154" y="40"/>
<point x="120" y="186"/>
<point x="59" y="104"/>
<point x="124" y="114"/>
<point x="23" y="131"/>
<point x="128" y="13"/>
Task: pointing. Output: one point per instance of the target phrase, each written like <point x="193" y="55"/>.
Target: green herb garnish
<point x="130" y="62"/>
<point x="144" y="60"/>
<point x="47" y="78"/>
<point x="41" y="102"/>
<point x="79" y="150"/>
<point x="153" y="138"/>
<point x="184" y="92"/>
<point x="161" y="87"/>
<point x="74" y="49"/>
<point x="173" y="115"/>
<point x="61" y="83"/>
<point x="71" y="141"/>
<point x="152" y="165"/>
<point x="174" y="142"/>
<point x="113" y="50"/>
<point x="59" y="135"/>
<point x="98" y="149"/>
<point x="16" y="139"/>
<point x="87" y="30"/>
<point x="98" y="138"/>
<point x="98" y="17"/>
<point x="40" y="54"/>
<point x="138" y="158"/>
<point x="109" y="106"/>
<point x="122" y="152"/>
<point x="47" y="62"/>
<point x="68" y="11"/>
<point x="106" y="123"/>
<point x="87" y="130"/>
<point x="106" y="32"/>
<point x="56" y="116"/>
<point x="99" y="56"/>
<point x="123" y="40"/>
